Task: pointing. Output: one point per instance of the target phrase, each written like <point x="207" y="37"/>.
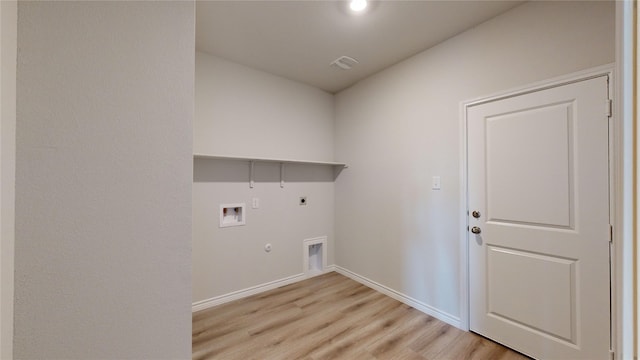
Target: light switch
<point x="255" y="203"/>
<point x="435" y="183"/>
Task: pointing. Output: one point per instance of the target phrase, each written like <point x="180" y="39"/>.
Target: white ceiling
<point x="299" y="39"/>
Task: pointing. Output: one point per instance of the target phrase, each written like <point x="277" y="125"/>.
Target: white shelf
<point x="337" y="167"/>
<point x="272" y="160"/>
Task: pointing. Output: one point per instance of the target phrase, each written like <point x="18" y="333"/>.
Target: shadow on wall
<point x="214" y="170"/>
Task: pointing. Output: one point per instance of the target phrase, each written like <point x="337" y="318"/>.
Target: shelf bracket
<point x="282" y="175"/>
<point x="251" y="174"/>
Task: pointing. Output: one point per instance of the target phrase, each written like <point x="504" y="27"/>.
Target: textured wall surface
<point x="8" y="36"/>
<point x="103" y="180"/>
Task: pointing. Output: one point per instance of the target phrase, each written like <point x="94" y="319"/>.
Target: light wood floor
<point x="331" y="317"/>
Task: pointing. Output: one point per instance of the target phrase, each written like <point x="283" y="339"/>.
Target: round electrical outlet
<point x="267" y="248"/>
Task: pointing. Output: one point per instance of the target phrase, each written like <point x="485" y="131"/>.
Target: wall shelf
<point x="337" y="166"/>
<point x="272" y="160"/>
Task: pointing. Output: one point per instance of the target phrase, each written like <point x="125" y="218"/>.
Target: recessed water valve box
<point x="314" y="256"/>
<point x="232" y="215"/>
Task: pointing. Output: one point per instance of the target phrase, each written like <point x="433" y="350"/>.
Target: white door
<point x="538" y="176"/>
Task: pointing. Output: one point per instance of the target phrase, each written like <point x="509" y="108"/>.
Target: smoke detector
<point x="344" y="62"/>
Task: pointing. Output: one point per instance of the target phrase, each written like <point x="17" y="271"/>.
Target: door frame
<point x="615" y="154"/>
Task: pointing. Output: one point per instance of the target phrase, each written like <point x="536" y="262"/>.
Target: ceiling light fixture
<point x="358" y="5"/>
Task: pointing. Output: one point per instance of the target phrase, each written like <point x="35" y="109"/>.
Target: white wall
<point x="8" y="35"/>
<point x="242" y="111"/>
<point x="246" y="112"/>
<point x="233" y="258"/>
<point x="402" y="126"/>
<point x="103" y="180"/>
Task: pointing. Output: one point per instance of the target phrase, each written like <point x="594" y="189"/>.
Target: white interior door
<point x="538" y="176"/>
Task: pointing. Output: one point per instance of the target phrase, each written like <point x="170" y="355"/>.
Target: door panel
<point x="515" y="159"/>
<point x="538" y="175"/>
<point x="509" y="292"/>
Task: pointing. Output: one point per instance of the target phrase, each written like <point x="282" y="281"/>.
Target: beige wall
<point x="630" y="65"/>
<point x="103" y="180"/>
<point x="8" y="34"/>
<point x="243" y="111"/>
<point x="402" y="126"/>
<point x="246" y="112"/>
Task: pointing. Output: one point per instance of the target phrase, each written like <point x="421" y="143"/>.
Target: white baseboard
<point x="331" y="268"/>
<point x="207" y="303"/>
<point x="418" y="305"/>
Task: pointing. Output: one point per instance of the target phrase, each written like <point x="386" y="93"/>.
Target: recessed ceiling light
<point x="358" y="5"/>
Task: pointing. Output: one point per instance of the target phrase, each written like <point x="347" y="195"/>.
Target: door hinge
<point x="610" y="233"/>
<point x="609" y="107"/>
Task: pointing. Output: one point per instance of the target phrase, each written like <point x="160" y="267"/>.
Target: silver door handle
<point x="476" y="230"/>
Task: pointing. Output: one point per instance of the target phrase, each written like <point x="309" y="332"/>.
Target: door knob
<point x="475" y="214"/>
<point x="476" y="230"/>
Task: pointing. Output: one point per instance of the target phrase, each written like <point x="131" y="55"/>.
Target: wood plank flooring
<point x="331" y="317"/>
